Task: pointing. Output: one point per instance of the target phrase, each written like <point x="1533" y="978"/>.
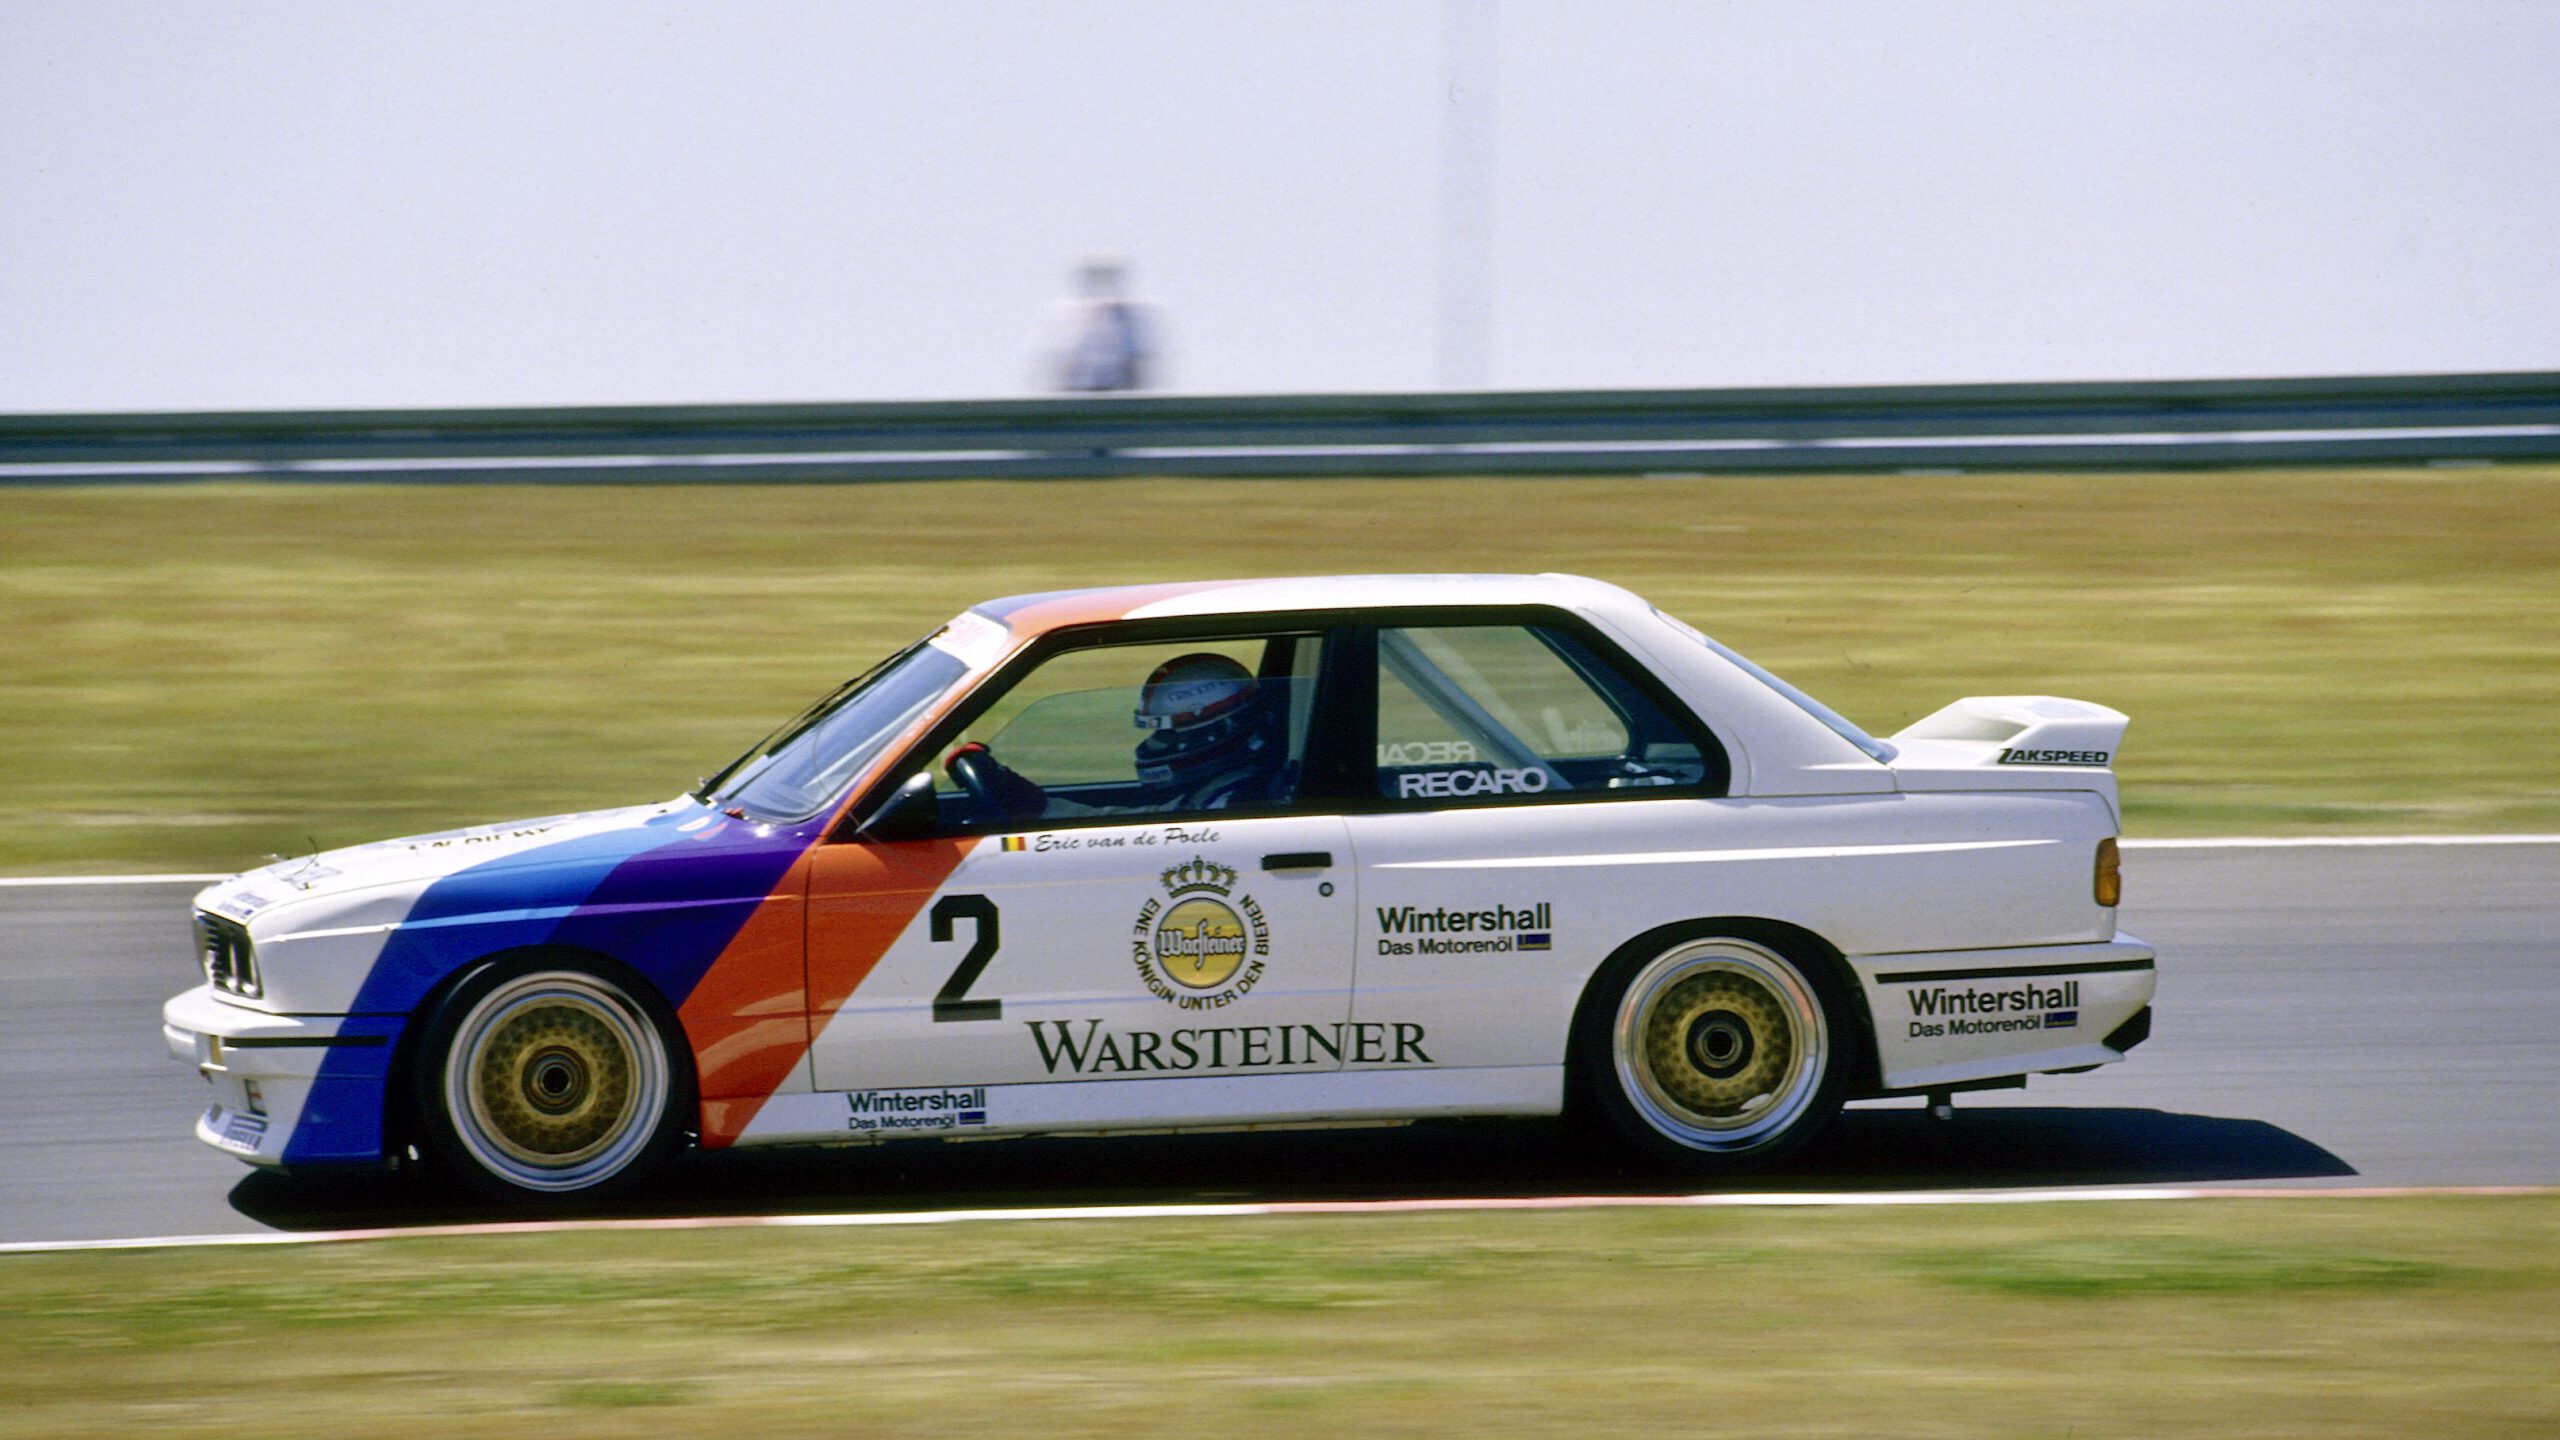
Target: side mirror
<point x="911" y="814"/>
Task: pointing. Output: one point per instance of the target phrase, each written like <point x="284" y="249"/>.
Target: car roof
<point x="1033" y="614"/>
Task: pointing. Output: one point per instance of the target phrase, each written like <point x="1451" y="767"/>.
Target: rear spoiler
<point x="2012" y="730"/>
<point x="2010" y="741"/>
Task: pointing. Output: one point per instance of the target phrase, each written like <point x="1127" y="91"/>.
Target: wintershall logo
<point x="1938" y="1010"/>
<point x="1195" y="947"/>
<point x="1498" y="930"/>
<point x="876" y="1111"/>
<point x="1939" y="1000"/>
<point x="1084" y="1047"/>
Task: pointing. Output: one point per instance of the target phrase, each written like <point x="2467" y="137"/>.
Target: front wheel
<point x="1713" y="1054"/>
<point x="541" y="1083"/>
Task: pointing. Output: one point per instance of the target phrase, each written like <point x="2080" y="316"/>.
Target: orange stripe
<point x="861" y="899"/>
<point x="1092" y="607"/>
<point x="753" y="1018"/>
<point x="748" y="1018"/>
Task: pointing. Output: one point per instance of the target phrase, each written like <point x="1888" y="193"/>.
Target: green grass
<point x="203" y="675"/>
<point x="2245" y="1317"/>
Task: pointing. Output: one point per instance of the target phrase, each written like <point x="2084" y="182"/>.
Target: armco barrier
<point x="2420" y="418"/>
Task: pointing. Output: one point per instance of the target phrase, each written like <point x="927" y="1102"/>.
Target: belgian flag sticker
<point x="1013" y="843"/>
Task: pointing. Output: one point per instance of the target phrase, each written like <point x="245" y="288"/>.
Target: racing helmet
<point x="1203" y="717"/>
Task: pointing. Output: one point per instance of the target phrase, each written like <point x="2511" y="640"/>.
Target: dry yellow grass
<point x="202" y="675"/>
<point x="2338" y="1318"/>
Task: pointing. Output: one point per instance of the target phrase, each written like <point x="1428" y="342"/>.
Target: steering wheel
<point x="995" y="789"/>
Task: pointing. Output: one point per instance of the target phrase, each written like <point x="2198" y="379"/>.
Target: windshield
<point x="793" y="773"/>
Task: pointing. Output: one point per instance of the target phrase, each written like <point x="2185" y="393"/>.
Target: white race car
<point x="1267" y="852"/>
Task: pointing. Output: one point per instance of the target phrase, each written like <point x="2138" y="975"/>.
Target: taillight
<point x="2109" y="884"/>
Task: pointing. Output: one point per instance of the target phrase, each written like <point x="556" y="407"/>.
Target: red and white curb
<point x="1274" y="1210"/>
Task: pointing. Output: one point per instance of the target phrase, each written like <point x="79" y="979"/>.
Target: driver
<point x="1213" y="740"/>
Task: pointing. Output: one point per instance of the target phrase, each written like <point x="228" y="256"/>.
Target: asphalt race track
<point x="2379" y="1016"/>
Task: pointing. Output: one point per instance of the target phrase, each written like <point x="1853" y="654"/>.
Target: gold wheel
<point x="555" y="1081"/>
<point x="1720" y="1045"/>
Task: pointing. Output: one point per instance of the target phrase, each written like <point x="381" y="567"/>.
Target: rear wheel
<point x="542" y="1083"/>
<point x="1713" y="1053"/>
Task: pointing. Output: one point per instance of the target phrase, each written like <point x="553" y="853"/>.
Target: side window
<point x="1476" y="712"/>
<point x="1178" y="728"/>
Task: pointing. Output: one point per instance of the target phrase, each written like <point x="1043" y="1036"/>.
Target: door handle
<point x="1298" y="860"/>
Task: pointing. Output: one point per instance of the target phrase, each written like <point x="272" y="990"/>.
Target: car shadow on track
<point x="1999" y="1147"/>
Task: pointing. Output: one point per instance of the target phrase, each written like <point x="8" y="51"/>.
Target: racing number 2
<point x="949" y="1003"/>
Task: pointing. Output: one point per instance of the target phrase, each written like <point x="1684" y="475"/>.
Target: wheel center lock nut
<point x="555" y="1081"/>
<point x="1720" y="1044"/>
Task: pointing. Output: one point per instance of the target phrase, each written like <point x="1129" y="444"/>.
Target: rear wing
<point x="2012" y="742"/>
<point x="2024" y="730"/>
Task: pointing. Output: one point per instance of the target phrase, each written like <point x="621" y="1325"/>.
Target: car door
<point x="1082" y="944"/>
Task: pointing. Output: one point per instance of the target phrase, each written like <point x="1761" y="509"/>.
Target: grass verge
<point x="203" y="675"/>
<point x="2331" y="1317"/>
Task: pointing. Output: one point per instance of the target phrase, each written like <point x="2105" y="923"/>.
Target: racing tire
<point x="1712" y="1054"/>
<point x="545" y="1082"/>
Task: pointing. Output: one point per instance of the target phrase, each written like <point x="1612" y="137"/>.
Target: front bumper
<point x="286" y="1088"/>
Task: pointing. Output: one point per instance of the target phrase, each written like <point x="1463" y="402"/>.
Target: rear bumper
<point x="300" y="1089"/>
<point x="1944" y="1018"/>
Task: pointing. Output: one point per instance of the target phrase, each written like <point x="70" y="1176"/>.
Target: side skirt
<point x="1349" y="1097"/>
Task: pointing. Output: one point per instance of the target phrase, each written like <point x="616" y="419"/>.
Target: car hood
<point x="417" y="859"/>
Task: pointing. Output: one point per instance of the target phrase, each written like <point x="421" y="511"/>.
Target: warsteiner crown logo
<point x="1193" y="946"/>
<point x="1197" y="877"/>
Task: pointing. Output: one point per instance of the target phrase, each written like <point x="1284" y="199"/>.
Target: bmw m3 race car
<point x="1210" y="855"/>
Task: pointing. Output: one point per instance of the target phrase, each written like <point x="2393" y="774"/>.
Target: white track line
<point x="1272" y="1210"/>
<point x="2272" y="842"/>
<point x="31" y="882"/>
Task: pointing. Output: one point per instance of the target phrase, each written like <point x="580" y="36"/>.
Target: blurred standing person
<point x="1098" y="339"/>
